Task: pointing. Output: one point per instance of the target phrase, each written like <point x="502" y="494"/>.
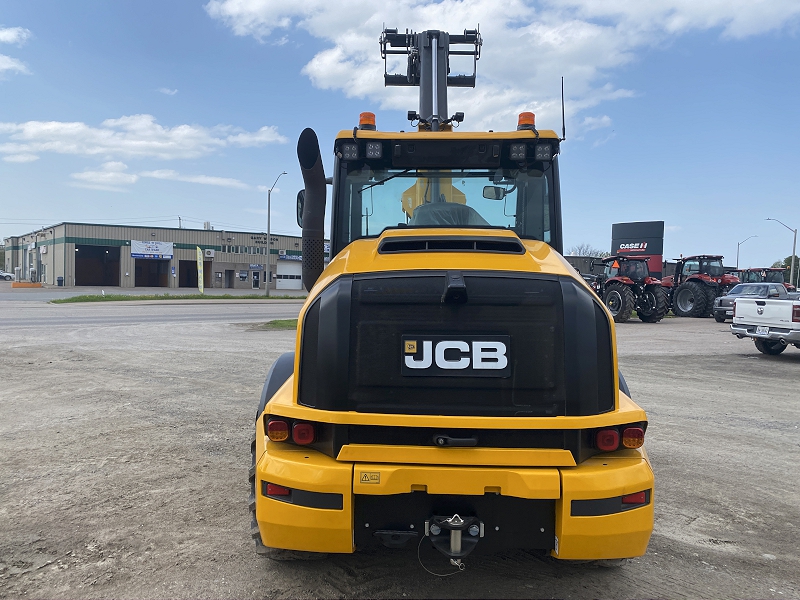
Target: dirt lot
<point x="124" y="444"/>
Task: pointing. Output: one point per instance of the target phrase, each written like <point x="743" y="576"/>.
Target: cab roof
<point x="523" y="134"/>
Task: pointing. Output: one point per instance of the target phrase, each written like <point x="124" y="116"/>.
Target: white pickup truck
<point x="773" y="324"/>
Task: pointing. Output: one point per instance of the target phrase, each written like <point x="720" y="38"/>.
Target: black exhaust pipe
<point x="313" y="207"/>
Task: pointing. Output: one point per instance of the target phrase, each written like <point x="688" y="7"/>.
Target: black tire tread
<point x="662" y="305"/>
<point x="699" y="308"/>
<point x="628" y="301"/>
<point x="770" y="347"/>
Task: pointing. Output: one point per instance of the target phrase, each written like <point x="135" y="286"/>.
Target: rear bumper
<point x="578" y="510"/>
<point x="790" y="336"/>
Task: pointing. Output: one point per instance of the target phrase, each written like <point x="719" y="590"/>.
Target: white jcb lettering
<point x="489" y="355"/>
<point x="459" y="363"/>
<point x="425" y="361"/>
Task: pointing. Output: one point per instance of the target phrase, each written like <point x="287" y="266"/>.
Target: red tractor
<point x="625" y="285"/>
<point x="764" y="275"/>
<point x="697" y="282"/>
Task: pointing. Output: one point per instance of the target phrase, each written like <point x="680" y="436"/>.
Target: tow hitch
<point x="455" y="537"/>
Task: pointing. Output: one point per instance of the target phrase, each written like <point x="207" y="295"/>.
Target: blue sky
<point x="137" y="112"/>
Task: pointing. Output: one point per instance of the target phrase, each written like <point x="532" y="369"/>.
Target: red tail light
<point x="633" y="437"/>
<point x="637" y="498"/>
<point x="796" y="313"/>
<point x="277" y="430"/>
<point x="607" y="440"/>
<point x="303" y="433"/>
<point x="273" y="489"/>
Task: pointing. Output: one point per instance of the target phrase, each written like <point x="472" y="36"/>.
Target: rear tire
<point x="690" y="300"/>
<point x="619" y="300"/>
<point x="653" y="305"/>
<point x="769" y="347"/>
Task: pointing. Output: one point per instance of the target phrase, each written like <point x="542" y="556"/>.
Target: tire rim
<point x="647" y="304"/>
<point x="685" y="300"/>
<point x="614" y="302"/>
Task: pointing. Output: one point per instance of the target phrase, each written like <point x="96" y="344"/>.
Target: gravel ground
<point x="124" y="436"/>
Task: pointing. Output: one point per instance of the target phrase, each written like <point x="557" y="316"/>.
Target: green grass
<point x="274" y="325"/>
<point x="128" y="297"/>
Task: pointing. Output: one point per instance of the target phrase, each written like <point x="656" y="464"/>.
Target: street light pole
<point x="737" y="249"/>
<point x="794" y="249"/>
<point x="269" y="233"/>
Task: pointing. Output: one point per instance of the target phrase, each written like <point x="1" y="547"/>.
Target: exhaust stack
<point x="313" y="207"/>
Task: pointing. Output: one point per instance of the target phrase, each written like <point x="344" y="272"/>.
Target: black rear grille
<point x="451" y="244"/>
<point x="559" y="351"/>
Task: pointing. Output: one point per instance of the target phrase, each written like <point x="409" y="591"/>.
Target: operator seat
<point x="446" y="214"/>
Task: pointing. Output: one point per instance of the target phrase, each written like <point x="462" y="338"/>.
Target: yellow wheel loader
<point x="455" y="380"/>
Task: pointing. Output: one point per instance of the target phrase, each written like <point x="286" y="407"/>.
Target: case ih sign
<point x="640" y="239"/>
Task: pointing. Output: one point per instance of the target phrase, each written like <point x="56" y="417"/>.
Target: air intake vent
<point x="451" y="244"/>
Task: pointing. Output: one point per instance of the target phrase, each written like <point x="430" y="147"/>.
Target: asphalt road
<point x="125" y="442"/>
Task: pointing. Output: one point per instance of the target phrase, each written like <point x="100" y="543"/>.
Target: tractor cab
<point x="627" y="267"/>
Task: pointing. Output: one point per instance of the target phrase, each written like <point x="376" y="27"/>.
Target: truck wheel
<point x="653" y="304"/>
<point x="690" y="300"/>
<point x="719" y="318"/>
<point x="769" y="347"/>
<point x="619" y="300"/>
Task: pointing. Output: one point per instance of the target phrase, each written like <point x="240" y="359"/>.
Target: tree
<point x="587" y="250"/>
<point x="787" y="264"/>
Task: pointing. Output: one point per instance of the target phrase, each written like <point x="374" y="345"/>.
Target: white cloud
<point x="167" y="91"/>
<point x="202" y="179"/>
<point x="128" y="136"/>
<point x="20" y="158"/>
<point x="590" y="123"/>
<point x="265" y="135"/>
<point x="527" y="46"/>
<point x="109" y="177"/>
<point x="14" y="35"/>
<point x="8" y="64"/>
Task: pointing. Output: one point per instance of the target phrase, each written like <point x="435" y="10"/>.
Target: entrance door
<point x="228" y="278"/>
<point x="256" y="280"/>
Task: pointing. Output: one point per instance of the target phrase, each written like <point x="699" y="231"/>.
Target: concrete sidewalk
<point x="47" y="293"/>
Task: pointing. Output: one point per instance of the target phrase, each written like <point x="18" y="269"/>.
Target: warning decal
<point x="370" y="477"/>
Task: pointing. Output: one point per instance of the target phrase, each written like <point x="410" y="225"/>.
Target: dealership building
<point x="85" y="254"/>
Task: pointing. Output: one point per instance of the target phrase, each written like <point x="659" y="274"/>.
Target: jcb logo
<point x="476" y="356"/>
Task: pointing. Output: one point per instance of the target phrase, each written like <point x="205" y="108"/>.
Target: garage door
<point x="290" y="275"/>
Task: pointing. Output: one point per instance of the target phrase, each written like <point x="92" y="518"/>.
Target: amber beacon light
<point x="366" y="120"/>
<point x="527" y="120"/>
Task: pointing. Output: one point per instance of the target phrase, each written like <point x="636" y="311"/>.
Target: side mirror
<point x="774" y="295"/>
<point x="301" y="199"/>
<point x="492" y="192"/>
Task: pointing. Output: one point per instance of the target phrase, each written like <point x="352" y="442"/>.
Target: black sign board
<point x="645" y="238"/>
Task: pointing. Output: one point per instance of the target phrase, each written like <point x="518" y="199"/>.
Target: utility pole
<point x="737" y="249"/>
<point x="268" y="273"/>
<point x="794" y="249"/>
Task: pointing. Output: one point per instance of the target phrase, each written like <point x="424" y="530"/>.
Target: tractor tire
<point x="690" y="300"/>
<point x="653" y="305"/>
<point x="619" y="300"/>
<point x="719" y="318"/>
<point x="769" y="347"/>
<point x="254" y="532"/>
